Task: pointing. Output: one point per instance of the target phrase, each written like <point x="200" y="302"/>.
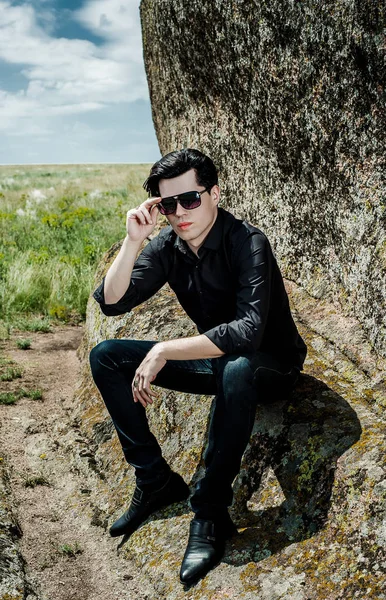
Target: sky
<point x="73" y="87"/>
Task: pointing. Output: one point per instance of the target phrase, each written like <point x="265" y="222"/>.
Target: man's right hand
<point x="141" y="221"/>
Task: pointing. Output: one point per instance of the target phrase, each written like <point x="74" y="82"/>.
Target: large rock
<point x="311" y="492"/>
<point x="288" y="99"/>
<point x="285" y="97"/>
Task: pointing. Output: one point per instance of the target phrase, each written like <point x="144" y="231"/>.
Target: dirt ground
<point x="67" y="556"/>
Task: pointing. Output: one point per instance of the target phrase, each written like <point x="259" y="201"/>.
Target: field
<point x="56" y="222"/>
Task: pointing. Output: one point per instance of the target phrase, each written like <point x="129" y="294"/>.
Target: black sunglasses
<point x="188" y="200"/>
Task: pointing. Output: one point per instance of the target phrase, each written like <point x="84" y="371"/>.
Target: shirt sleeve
<point x="254" y="272"/>
<point x="147" y="277"/>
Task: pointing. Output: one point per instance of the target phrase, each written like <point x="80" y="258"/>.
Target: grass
<point x="8" y="398"/>
<point x="56" y="222"/>
<point x="33" y="394"/>
<point x="6" y="361"/>
<point x="13" y="397"/>
<point x="24" y="344"/>
<point x="11" y="373"/>
<point x="34" y="324"/>
<point x="70" y="550"/>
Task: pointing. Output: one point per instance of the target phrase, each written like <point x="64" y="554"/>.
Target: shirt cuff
<point x="220" y="337"/>
<point x="111" y="310"/>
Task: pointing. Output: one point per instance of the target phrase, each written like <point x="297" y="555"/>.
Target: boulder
<point x="311" y="490"/>
<point x="288" y="99"/>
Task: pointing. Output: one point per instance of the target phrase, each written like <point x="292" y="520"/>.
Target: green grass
<point x="32" y="324"/>
<point x="10" y="373"/>
<point x="24" y="344"/>
<point x="13" y="397"/>
<point x="56" y="222"/>
<point x="34" y="394"/>
<point x="70" y="550"/>
<point x="4" y="362"/>
<point x="8" y="398"/>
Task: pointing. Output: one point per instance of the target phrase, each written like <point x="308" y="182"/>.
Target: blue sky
<point x="72" y="83"/>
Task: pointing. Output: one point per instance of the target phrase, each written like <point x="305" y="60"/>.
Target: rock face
<point x="288" y="99"/>
<point x="311" y="490"/>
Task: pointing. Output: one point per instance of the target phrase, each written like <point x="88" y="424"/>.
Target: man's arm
<point x="181" y="349"/>
<point x="118" y="276"/>
<point x="130" y="281"/>
<point x="146" y="278"/>
<point x="253" y="297"/>
<point x="191" y="348"/>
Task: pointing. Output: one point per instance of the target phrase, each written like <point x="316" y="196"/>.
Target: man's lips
<point x="184" y="225"/>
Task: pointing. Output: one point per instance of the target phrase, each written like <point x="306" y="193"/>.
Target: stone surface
<point x="311" y="490"/>
<point x="288" y="99"/>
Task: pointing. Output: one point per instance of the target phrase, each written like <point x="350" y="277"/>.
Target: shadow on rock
<point x="301" y="439"/>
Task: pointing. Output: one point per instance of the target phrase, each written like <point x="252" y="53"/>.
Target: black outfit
<point x="234" y="292"/>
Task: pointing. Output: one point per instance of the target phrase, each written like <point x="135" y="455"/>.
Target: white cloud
<point x="111" y="18"/>
<point x="71" y="76"/>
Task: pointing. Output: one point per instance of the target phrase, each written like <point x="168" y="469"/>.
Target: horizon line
<point x="78" y="163"/>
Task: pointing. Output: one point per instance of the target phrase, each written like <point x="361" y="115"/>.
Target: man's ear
<point x="215" y="194"/>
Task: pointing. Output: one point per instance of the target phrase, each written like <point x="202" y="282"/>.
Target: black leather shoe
<point x="144" y="504"/>
<point x="205" y="549"/>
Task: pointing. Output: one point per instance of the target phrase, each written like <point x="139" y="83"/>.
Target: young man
<point x="225" y="276"/>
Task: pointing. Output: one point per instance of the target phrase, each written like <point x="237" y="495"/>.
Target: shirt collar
<point x="212" y="240"/>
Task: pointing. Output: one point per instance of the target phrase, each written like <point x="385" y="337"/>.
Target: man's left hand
<point x="145" y="374"/>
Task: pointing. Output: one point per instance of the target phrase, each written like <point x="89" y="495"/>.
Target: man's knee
<point x="102" y="356"/>
<point x="236" y="373"/>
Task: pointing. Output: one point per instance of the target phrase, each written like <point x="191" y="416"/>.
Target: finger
<point x="145" y="394"/>
<point x="154" y="211"/>
<point x="140" y="215"/>
<point x="134" y="387"/>
<point x="153" y="200"/>
<point x="146" y="213"/>
<point x="135" y="213"/>
<point x="140" y="398"/>
<point x="150" y="390"/>
<point x="143" y="389"/>
<point x="134" y="392"/>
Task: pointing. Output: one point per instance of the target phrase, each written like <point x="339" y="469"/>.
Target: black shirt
<point x="233" y="290"/>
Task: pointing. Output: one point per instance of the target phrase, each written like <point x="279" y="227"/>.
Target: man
<point x="225" y="276"/>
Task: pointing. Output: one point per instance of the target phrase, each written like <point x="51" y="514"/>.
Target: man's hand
<point x="141" y="221"/>
<point x="145" y="374"/>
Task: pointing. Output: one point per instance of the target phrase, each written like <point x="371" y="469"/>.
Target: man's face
<point x="201" y="218"/>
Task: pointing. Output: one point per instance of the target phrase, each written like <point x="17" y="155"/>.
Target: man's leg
<point x="242" y="382"/>
<point x="113" y="364"/>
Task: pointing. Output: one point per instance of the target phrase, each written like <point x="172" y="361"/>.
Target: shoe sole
<point x="160" y="507"/>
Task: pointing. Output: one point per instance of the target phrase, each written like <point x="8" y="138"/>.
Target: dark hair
<point x="179" y="162"/>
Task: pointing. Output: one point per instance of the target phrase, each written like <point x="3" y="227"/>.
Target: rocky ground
<point x="53" y="546"/>
<point x="63" y="479"/>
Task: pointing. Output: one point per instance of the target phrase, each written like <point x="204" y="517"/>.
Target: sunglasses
<point x="188" y="200"/>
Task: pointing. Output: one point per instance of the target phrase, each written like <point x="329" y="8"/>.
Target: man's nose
<point x="180" y="210"/>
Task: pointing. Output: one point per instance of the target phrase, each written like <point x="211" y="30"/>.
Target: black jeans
<point x="238" y="382"/>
